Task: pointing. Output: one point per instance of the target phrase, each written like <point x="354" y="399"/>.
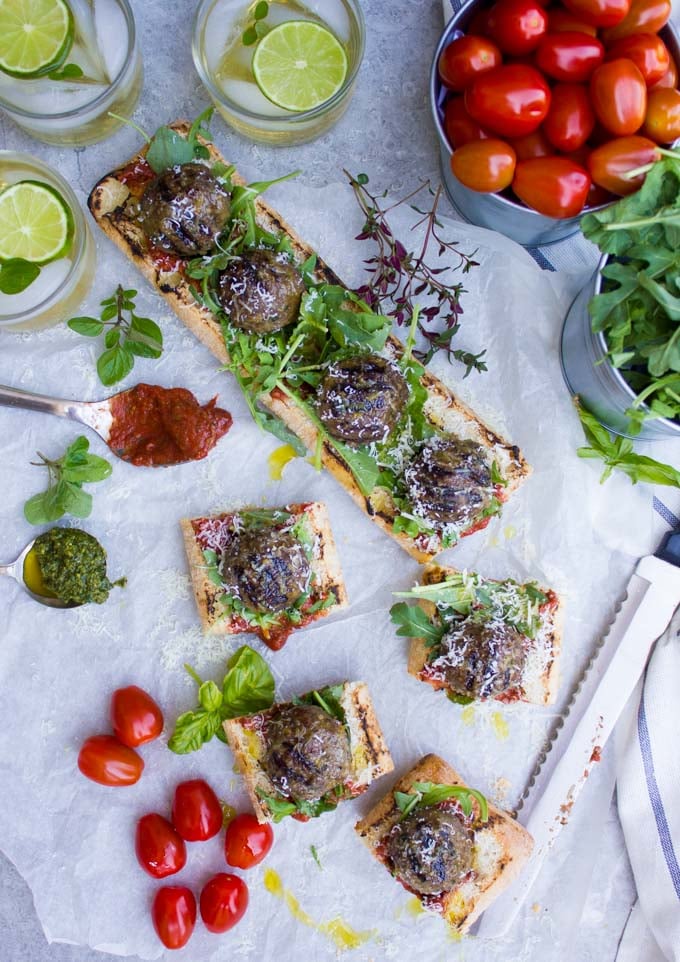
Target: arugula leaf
<point x="66" y="476"/>
<point x="16" y="274"/>
<point x="278" y="808"/>
<point x="168" y="148"/>
<point x="423" y="794"/>
<point x="413" y="623"/>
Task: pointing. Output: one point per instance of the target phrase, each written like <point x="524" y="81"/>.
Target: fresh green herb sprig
<point x="126" y="337"/>
<point x="423" y="794"/>
<point x="618" y="455"/>
<point x="398" y="275"/>
<point x="257" y="29"/>
<point x="247" y="688"/>
<point x="71" y="72"/>
<point x="168" y="148"/>
<point x="16" y="274"/>
<point x="280" y="808"/>
<point x="67" y="475"/>
<point x="315" y="856"/>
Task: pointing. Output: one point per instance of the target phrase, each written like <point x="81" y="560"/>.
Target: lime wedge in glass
<point x="35" y="36"/>
<point x="36" y="223"/>
<point x="299" y="65"/>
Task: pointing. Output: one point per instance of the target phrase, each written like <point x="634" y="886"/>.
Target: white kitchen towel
<point x="648" y="790"/>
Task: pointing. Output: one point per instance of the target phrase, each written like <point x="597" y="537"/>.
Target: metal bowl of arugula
<point x="621" y="336"/>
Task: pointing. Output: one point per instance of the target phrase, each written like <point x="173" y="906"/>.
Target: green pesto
<point x="73" y="565"/>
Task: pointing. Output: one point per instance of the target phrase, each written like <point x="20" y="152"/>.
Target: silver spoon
<point x="16" y="570"/>
<point x="94" y="414"/>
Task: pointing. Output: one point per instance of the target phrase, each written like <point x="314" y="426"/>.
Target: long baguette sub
<point x="114" y="205"/>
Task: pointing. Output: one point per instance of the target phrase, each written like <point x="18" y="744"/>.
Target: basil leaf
<point x="193" y="729"/>
<point x="209" y="696"/>
<point x="17" y="274"/>
<point x="248" y="686"/>
<point x="278" y="808"/>
<point x="115" y="364"/>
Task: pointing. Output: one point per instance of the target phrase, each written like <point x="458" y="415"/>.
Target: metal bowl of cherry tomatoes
<point x="543" y="114"/>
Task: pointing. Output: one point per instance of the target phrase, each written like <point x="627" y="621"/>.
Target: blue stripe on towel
<point x="665" y="513"/>
<point x="540" y="258"/>
<point x="655" y="798"/>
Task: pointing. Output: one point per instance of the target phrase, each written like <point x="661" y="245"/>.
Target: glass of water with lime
<point x="283" y="71"/>
<point x="65" y="65"/>
<point x="47" y="256"/>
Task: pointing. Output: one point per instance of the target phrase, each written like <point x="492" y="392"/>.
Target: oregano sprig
<point x="126" y="337"/>
<point x="67" y="475"/>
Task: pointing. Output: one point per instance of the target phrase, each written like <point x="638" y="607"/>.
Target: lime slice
<point x="35" y="36"/>
<point x="299" y="65"/>
<point x="36" y="223"/>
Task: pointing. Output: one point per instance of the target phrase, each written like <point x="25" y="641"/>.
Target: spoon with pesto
<point x="145" y="425"/>
<point x="63" y="568"/>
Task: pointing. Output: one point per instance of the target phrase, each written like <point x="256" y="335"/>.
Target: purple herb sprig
<point x="399" y="276"/>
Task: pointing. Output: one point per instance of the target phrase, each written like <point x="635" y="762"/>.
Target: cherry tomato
<point x="196" y="811"/>
<point x="223" y="902"/>
<point x="465" y="58"/>
<point x="607" y="164"/>
<point x="511" y="100"/>
<point x="160" y="848"/>
<point x="533" y="145"/>
<point x="669" y="81"/>
<point x="619" y="96"/>
<point x="247" y="841"/>
<point x="571" y="119"/>
<point x="554" y="186"/>
<point x="644" y="16"/>
<point x="662" y="123"/>
<point x="104" y="759"/>
<point x="600" y="13"/>
<point x="459" y="126"/>
<point x="135" y="716"/>
<point x="478" y="25"/>
<point x="517" y="25"/>
<point x="571" y="57"/>
<point x="174" y="915"/>
<point x="647" y="51"/>
<point x="484" y="165"/>
<point x="560" y="21"/>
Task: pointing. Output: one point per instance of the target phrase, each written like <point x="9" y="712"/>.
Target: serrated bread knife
<point x="578" y="737"/>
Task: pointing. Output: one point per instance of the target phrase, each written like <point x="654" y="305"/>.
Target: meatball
<point x="430" y="850"/>
<point x="449" y="481"/>
<point x="481" y="660"/>
<point x="260" y="291"/>
<point x="307" y="752"/>
<point x="184" y="210"/>
<point x="266" y="568"/>
<point x="361" y="398"/>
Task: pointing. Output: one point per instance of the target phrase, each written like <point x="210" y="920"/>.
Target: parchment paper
<point x="73" y="840"/>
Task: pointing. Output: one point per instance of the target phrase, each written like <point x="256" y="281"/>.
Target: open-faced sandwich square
<point x="317" y="364"/>
<point x="444" y="842"/>
<point x="476" y="638"/>
<point x="266" y="571"/>
<point x="302" y="758"/>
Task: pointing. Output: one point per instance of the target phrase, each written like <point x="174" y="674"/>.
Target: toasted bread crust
<point x="107" y="203"/>
<point x="325" y="565"/>
<point x="509" y="841"/>
<point x="419" y="652"/>
<point x="369" y="753"/>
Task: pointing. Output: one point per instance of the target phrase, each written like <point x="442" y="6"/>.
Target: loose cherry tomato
<point x="459" y="126"/>
<point x="644" y="16"/>
<point x="647" y="51"/>
<point x="619" y="96"/>
<point x="669" y="81"/>
<point x="607" y="164"/>
<point x="104" y="759"/>
<point x="174" y="915"/>
<point x="465" y="58"/>
<point x="511" y="100"/>
<point x="554" y="186"/>
<point x="478" y="25"/>
<point x="247" y="841"/>
<point x="600" y="13"/>
<point x="196" y="811"/>
<point x="484" y="165"/>
<point x="160" y="848"/>
<point x="517" y="25"/>
<point x="223" y="902"/>
<point x="662" y="123"/>
<point x="135" y="716"/>
<point x="571" y="119"/>
<point x="570" y="57"/>
<point x="533" y="145"/>
<point x="560" y="21"/>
